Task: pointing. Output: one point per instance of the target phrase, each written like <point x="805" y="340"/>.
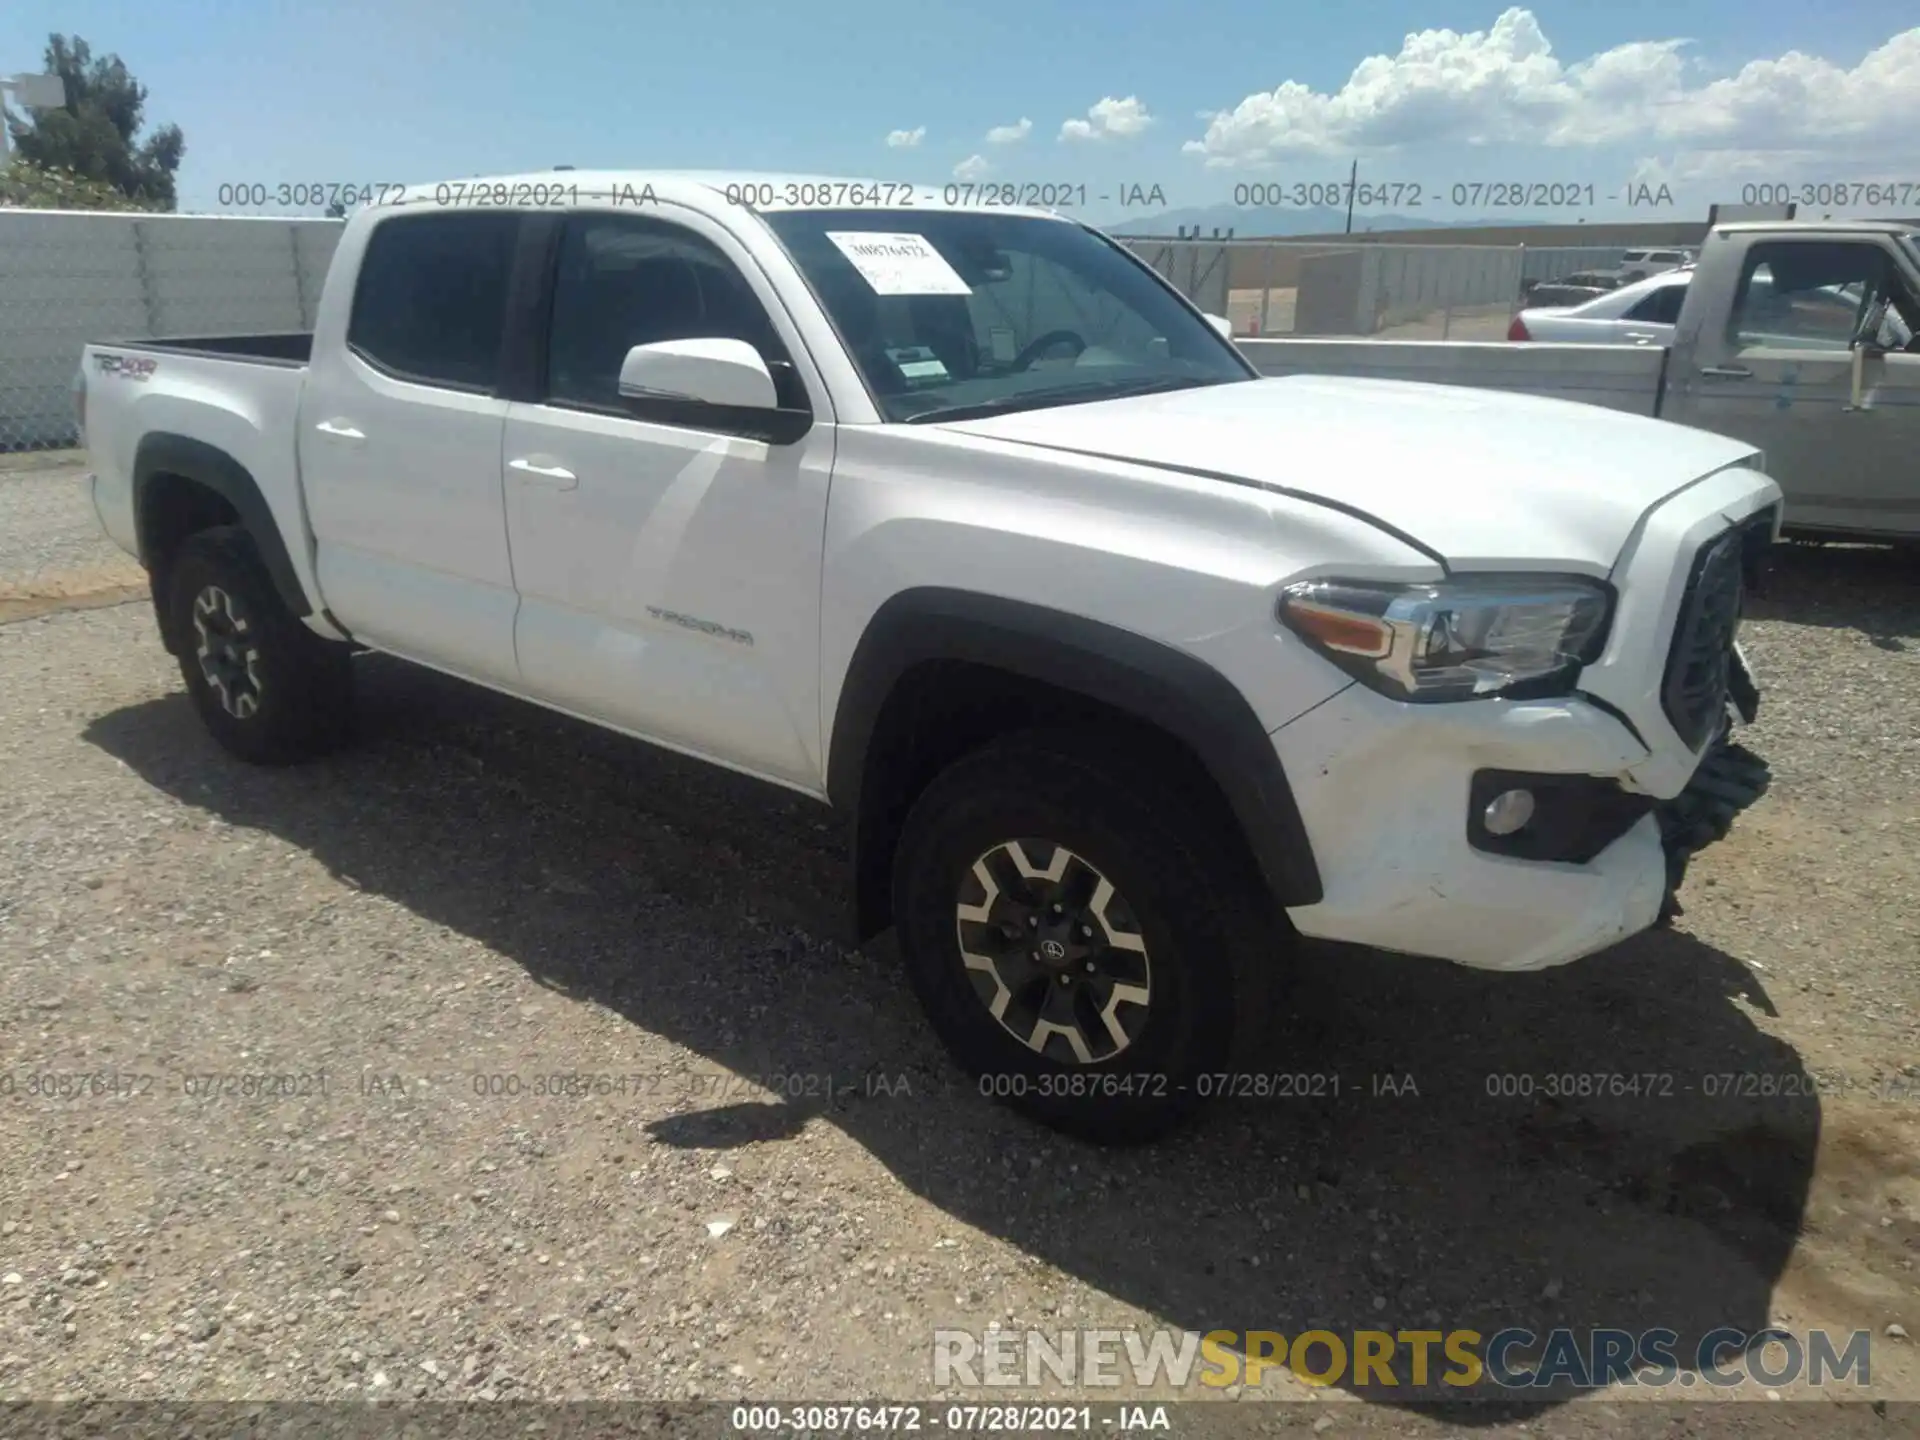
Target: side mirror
<point x="1222" y="324"/>
<point x="709" y="384"/>
<point x="1867" y="337"/>
<point x="1866" y="341"/>
<point x="716" y="372"/>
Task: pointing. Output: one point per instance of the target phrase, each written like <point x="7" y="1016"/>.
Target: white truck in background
<point x="1797" y="338"/>
<point x="1127" y="666"/>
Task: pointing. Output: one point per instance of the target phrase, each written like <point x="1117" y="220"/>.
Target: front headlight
<point x="1467" y="637"/>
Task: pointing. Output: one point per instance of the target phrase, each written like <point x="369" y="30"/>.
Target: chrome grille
<point x="1700" y="665"/>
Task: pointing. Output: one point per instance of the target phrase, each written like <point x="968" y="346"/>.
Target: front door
<point x="1780" y="377"/>
<point x="669" y="578"/>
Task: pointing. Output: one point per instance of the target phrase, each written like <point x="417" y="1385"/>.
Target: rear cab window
<point x="430" y="301"/>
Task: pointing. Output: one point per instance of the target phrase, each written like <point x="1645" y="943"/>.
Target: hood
<point x="1482" y="478"/>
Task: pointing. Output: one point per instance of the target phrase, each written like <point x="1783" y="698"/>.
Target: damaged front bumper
<point x="1395" y="800"/>
<point x="1729" y="779"/>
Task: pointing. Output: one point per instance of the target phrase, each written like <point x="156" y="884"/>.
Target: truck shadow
<point x="1874" y="589"/>
<point x="1428" y="1180"/>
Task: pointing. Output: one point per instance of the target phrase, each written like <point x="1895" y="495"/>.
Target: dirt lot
<point x="482" y="896"/>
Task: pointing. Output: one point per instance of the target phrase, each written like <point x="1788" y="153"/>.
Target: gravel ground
<point x="782" y="1187"/>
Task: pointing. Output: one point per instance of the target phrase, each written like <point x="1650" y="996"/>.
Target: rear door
<point x="1779" y="375"/>
<point x="399" y="446"/>
<point x="669" y="576"/>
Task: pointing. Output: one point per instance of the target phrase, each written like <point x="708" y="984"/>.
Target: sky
<point x="1122" y="108"/>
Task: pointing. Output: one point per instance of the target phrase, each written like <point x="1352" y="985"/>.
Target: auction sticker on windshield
<point x="898" y="264"/>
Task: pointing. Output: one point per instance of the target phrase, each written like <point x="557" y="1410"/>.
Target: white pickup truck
<point x="1127" y="666"/>
<point x="1798" y="338"/>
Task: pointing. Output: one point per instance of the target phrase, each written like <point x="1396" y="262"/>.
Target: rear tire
<point x="268" y="689"/>
<point x="1088" y="946"/>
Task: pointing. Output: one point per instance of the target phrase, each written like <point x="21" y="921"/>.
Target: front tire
<point x="266" y="687"/>
<point x="1089" y="946"/>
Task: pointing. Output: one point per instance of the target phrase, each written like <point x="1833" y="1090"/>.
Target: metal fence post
<point x="144" y="270"/>
<point x="1266" y="286"/>
<point x="299" y="285"/>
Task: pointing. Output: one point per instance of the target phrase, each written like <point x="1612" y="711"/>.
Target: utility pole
<point x="33" y="92"/>
<point x="1353" y="183"/>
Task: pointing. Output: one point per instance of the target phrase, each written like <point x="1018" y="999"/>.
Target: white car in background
<point x="1639" y="264"/>
<point x="1642" y="313"/>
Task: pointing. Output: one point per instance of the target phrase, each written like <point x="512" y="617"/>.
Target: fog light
<point x="1508" y="811"/>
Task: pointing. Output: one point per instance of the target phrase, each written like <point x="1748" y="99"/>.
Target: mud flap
<point x="1730" y="778"/>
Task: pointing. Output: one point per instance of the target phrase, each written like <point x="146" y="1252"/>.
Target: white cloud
<point x="1109" y="117"/>
<point x="906" y="139"/>
<point x="1505" y="85"/>
<point x="1008" y="134"/>
<point x="972" y="168"/>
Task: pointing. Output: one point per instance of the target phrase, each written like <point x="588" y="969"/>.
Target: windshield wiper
<point x="1040" y="399"/>
<point x="1161" y="385"/>
<point x="1005" y="404"/>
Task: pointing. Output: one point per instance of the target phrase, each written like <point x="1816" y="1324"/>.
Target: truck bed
<point x="288" y="348"/>
<point x="1620" y="377"/>
<point x="239" y="393"/>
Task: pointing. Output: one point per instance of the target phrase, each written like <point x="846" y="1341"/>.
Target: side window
<point x="431" y="299"/>
<point x="1662" y="307"/>
<point x="1807" y="295"/>
<point x="622" y="281"/>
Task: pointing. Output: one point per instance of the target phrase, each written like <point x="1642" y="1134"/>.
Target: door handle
<point x="1639" y="337"/>
<point x="557" y="476"/>
<point x="340" y="430"/>
<point x="1727" y="372"/>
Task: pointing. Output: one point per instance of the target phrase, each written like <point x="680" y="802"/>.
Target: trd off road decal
<point x="127" y="367"/>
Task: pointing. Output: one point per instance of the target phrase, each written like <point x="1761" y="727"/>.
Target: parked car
<point x="1127" y="667"/>
<point x="1642" y="313"/>
<point x="1797" y="337"/>
<point x="1573" y="289"/>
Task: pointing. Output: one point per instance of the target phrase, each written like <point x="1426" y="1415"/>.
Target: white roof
<point x="761" y="190"/>
<point x="1857" y="227"/>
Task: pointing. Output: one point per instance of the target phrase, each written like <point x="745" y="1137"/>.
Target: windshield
<point x="956" y="313"/>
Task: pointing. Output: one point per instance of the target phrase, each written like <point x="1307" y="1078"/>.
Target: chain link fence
<point x="1277" y="288"/>
<point x="70" y="277"/>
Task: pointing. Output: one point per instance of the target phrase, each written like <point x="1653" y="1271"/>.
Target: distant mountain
<point x="1275" y="220"/>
